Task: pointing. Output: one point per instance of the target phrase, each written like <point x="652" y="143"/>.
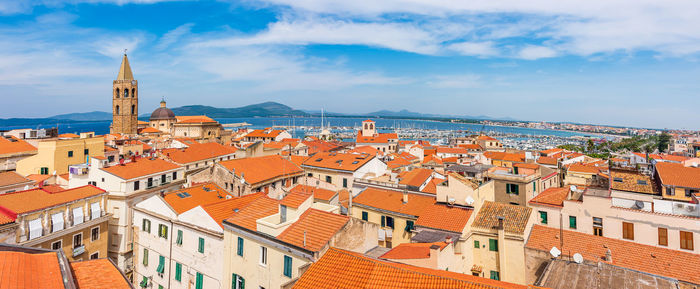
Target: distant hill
<point x="84" y="116"/>
<point x="265" y="109"/>
<point x="406" y="113"/>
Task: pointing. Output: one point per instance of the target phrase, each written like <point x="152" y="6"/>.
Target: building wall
<point x="336" y="176"/>
<point x="526" y="191"/>
<point x="123" y="121"/>
<point x="399" y="235"/>
<point x="97" y="246"/>
<point x="513" y="270"/>
<point x="8" y="162"/>
<point x="53" y="154"/>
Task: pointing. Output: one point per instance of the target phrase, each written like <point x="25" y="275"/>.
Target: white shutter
<point x="95" y="210"/>
<point x="35" y="228"/>
<point x="389" y="232"/>
<point x="57" y="222"/>
<point x="78" y="217"/>
<point x="380" y="233"/>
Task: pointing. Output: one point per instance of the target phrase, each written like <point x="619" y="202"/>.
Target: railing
<point x="158" y="182"/>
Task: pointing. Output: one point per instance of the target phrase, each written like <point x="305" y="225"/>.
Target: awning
<point x="78" y="217"/>
<point x="35" y="228"/>
<point x="381" y="234"/>
<point x="95" y="211"/>
<point x="57" y="222"/>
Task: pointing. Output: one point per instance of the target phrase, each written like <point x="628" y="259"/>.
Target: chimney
<point x="608" y="255"/>
<point x="448" y="239"/>
<point x="405" y="196"/>
<point x="434" y="253"/>
<point x="501" y="249"/>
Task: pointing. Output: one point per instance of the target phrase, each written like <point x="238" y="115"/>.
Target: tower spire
<point x="125" y="69"/>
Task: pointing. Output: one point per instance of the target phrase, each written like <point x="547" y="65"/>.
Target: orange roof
<point x="247" y="216"/>
<point x="319" y="193"/>
<point x="485" y="137"/>
<point x="527" y="166"/>
<point x="141" y="167"/>
<point x="12" y="178"/>
<point x="684" y="266"/>
<point x="36" y="199"/>
<point x="412" y="250"/>
<point x="367" y="150"/>
<point x="65" y="176"/>
<point x="444" y="217"/>
<point x="631" y="182"/>
<point x="52" y="188"/>
<point x="319" y="227"/>
<point x="197" y="195"/>
<point x="316" y="146"/>
<point x="298" y="160"/>
<point x="68" y="135"/>
<point x="98" y="274"/>
<point x="221" y="210"/>
<point x="452" y="160"/>
<point x="149" y="130"/>
<point x="551" y="151"/>
<point x="273" y="133"/>
<point x="110" y="149"/>
<point x="547" y="160"/>
<point x="275" y="145"/>
<point x="353" y="270"/>
<point x="27" y="270"/>
<point x="392" y="201"/>
<point x="672" y="174"/>
<point x="397" y="163"/>
<point x="295" y="198"/>
<point x="432" y="159"/>
<point x="470" y="146"/>
<point x="260" y="169"/>
<point x="581" y="168"/>
<point x="515" y="217"/>
<point x="338" y="161"/>
<point x="431" y="187"/>
<point x="197" y="152"/>
<point x="13" y="145"/>
<point x="193" y="119"/>
<point x="415" y="177"/>
<point x="448" y="150"/>
<point x="503" y="156"/>
<point x="378" y="138"/>
<point x="551" y="196"/>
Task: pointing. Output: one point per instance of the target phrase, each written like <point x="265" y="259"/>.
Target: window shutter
<point x="201" y="245"/>
<point x="179" y="237"/>
<point x="199" y="281"/>
<point x="383" y="221"/>
<point x="572" y="222"/>
<point x="161" y="265"/>
<point x="145" y="257"/>
<point x="493" y="245"/>
<point x="178" y="271"/>
<point x="240" y="246"/>
<point x="288" y="266"/>
<point x="476" y="244"/>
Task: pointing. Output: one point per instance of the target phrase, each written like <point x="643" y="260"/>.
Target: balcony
<point x="158" y="182"/>
<point x="77" y="251"/>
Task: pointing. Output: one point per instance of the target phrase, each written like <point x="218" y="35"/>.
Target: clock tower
<point x="125" y="101"/>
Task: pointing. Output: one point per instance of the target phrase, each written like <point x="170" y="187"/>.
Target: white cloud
<point x="533" y="52"/>
<point x="481" y="49"/>
<point x="173" y="36"/>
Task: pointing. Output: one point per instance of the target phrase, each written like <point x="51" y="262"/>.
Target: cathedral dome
<point x="162" y="113"/>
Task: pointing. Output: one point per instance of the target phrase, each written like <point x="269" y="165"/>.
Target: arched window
<point x="133" y="92"/>
<point x="371" y="126"/>
<point x="126" y="93"/>
<point x="117" y="92"/>
<point x="365" y="126"/>
<point x="116" y="110"/>
<point x="133" y="109"/>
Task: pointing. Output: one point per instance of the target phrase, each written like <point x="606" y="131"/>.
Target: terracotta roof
<point x="247" y="216"/>
<point x="551" y="196"/>
<point x="470" y="146"/>
<point x="110" y="149"/>
<point x="431" y="186"/>
<point x="581" y="168"/>
<point x="260" y="169"/>
<point x="53" y="188"/>
<point x="503" y="156"/>
<point x="631" y="182"/>
<point x="223" y="209"/>
<point x="26" y="270"/>
<point x="141" y="167"/>
<point x="198" y="152"/>
<point x="197" y="195"/>
<point x="352" y="270"/>
<point x="367" y="150"/>
<point x="684" y="266"/>
<point x="397" y="163"/>
<point x="149" y="130"/>
<point x="444" y="217"/>
<point x="13" y="145"/>
<point x="194" y="119"/>
<point x="392" y="201"/>
<point x="36" y="199"/>
<point x="378" y="138"/>
<point x="68" y="135"/>
<point x="338" y="161"/>
<point x="448" y="150"/>
<point x="316" y="146"/>
<point x="298" y="160"/>
<point x="98" y="274"/>
<point x="319" y="193"/>
<point x="275" y="145"/>
<point x="12" y="178"/>
<point x="412" y="250"/>
<point x="673" y="174"/>
<point x="273" y="133"/>
<point x="527" y="166"/>
<point x="547" y="161"/>
<point x="432" y="159"/>
<point x="295" y="198"/>
<point x="319" y="226"/>
<point x="551" y="151"/>
<point x="515" y="217"/>
<point x="415" y="177"/>
<point x="485" y="137"/>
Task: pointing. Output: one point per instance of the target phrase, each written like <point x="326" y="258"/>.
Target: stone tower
<point x="125" y="101"/>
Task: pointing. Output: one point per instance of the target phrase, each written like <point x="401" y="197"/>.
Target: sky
<point x="615" y="62"/>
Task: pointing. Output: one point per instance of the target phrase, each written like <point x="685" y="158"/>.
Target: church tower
<point x="125" y="101"/>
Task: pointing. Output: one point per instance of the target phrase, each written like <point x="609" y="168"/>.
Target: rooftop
<point x="378" y="138"/>
<point x="558" y="273"/>
<point x="37" y="199"/>
<point x="223" y="209"/>
<point x="515" y="217"/>
<point x="194" y="119"/>
<point x="672" y="174"/>
<point x="260" y="169"/>
<point x="319" y="193"/>
<point x="140" y="168"/>
<point x="11" y="178"/>
<point x="295" y="198"/>
<point x="338" y="161"/>
<point x="415" y="177"/>
<point x="273" y="133"/>
<point x="552" y="197"/>
<point x="198" y="152"/>
<point x="631" y="182"/>
<point x="444" y="217"/>
<point x="13" y="145"/>
<point x="247" y="216"/>
<point x="392" y="201"/>
<point x="412" y="250"/>
<point x="98" y="274"/>
<point x="318" y="227"/>
<point x="185" y="199"/>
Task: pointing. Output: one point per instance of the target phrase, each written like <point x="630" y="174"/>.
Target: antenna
<point x="578" y="258"/>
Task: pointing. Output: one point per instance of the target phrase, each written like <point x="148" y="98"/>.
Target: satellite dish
<point x="469" y="200"/>
<point x="578" y="258"/>
<point x="573" y="188"/>
<point x="639" y="204"/>
<point x="555" y="252"/>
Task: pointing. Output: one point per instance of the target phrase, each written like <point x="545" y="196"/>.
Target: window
<point x="572" y="222"/>
<point x="161" y="264"/>
<point x="95" y="234"/>
<point x="543" y="217"/>
<point x="163" y="231"/>
<point x="178" y="241"/>
<point x="670" y="191"/>
<point x="44" y="171"/>
<point x="663" y="236"/>
<point x="70" y="154"/>
<point x="145" y="257"/>
<point x="116" y="110"/>
<point x="146" y="227"/>
<point x="200" y="248"/>
<point x="476" y="244"/>
<point x="56" y="245"/>
<point x="328" y="179"/>
<point x="365" y="216"/>
<point x="199" y="282"/>
<point x="689" y="192"/>
<point x="144" y="282"/>
<point x="597" y="226"/>
<point x="493" y="245"/>
<point x="86" y="151"/>
<point x="627" y="231"/>
<point x="512" y="189"/>
<point x="136" y="185"/>
<point x="389" y="222"/>
<point x="239" y="250"/>
<point x="77" y="240"/>
<point x="238" y="282"/>
<point x="494" y="275"/>
<point x="133" y="109"/>
<point x="641" y="182"/>
<point x="174" y="176"/>
<point x="95" y="255"/>
<point x="409" y="226"/>
<point x="162" y="179"/>
<point x="178" y="272"/>
<point x="686" y="240"/>
<point x="149" y="183"/>
<point x="287" y="266"/>
<point x="263" y="255"/>
<point x="617" y="180"/>
<point x="345" y="182"/>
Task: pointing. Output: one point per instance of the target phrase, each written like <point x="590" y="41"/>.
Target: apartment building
<point x="462" y="191"/>
<point x="516" y="184"/>
<point x="56" y="155"/>
<point x="73" y="221"/>
<point x="384" y="142"/>
<point x="266" y="135"/>
<point x="198" y="155"/>
<point x="341" y="169"/>
<point x="12" y="182"/>
<point x="12" y="150"/>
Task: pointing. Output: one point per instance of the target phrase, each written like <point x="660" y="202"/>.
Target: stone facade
<point x="125" y="101"/>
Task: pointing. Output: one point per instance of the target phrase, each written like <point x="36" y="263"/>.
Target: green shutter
<point x="240" y="246"/>
<point x="383" y="221"/>
<point x="160" y="286"/>
<point x="572" y="222"/>
<point x="543" y="217"/>
<point x="201" y="245"/>
<point x="242" y="283"/>
<point x="179" y="237"/>
<point x="288" y="266"/>
<point x="234" y="278"/>
<point x="144" y="282"/>
<point x="178" y="271"/>
<point x="409" y="226"/>
<point x="493" y="245"/>
<point x="161" y="265"/>
<point x="476" y="244"/>
<point x="494" y="275"/>
<point x="145" y="257"/>
<point x="365" y="216"/>
<point x="200" y="281"/>
<point x="146" y="225"/>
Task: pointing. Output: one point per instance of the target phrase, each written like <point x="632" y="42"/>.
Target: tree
<point x="664" y="140"/>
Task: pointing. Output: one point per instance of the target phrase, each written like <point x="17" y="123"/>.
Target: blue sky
<point x="618" y="62"/>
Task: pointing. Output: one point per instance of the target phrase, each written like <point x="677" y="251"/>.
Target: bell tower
<point x="125" y="101"/>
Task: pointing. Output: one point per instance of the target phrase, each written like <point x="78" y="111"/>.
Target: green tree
<point x="663" y="142"/>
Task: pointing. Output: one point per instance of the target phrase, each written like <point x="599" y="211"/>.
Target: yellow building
<point x="57" y="154"/>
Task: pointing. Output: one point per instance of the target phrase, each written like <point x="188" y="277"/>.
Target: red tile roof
<point x="673" y="174"/>
<point x="261" y="169"/>
<point x="149" y="130"/>
<point x="68" y="135"/>
<point x="264" y="133"/>
<point x="551" y="197"/>
<point x="412" y="251"/>
<point x="587" y="169"/>
<point x="295" y="198"/>
<point x="198" y="152"/>
<point x="393" y="201"/>
<point x="224" y="209"/>
<point x="319" y="227"/>
<point x="444" y="217"/>
<point x="398" y="163"/>
<point x="503" y="156"/>
<point x="338" y="161"/>
<point x="684" y="266"/>
<point x="352" y="270"/>
<point x="194" y="119"/>
<point x="515" y="217"/>
<point x="448" y="150"/>
<point x="140" y="168"/>
<point x="13" y="145"/>
<point x="200" y="194"/>
<point x="367" y="150"/>
<point x="415" y="177"/>
<point x="316" y="146"/>
<point x="12" y="178"/>
<point x="36" y="199"/>
<point x="26" y="270"/>
<point x="431" y="186"/>
<point x="378" y="138"/>
<point x="247" y="216"/>
<point x="319" y="193"/>
<point x="98" y="274"/>
<point x="547" y="161"/>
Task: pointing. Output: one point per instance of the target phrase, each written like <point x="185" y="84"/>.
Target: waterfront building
<point x="341" y="169"/>
<point x="384" y="142"/>
<point x="266" y="135"/>
<point x="54" y="156"/>
<point x="12" y="182"/>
